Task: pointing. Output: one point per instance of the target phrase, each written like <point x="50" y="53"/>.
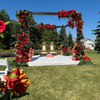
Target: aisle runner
<point x="38" y="60"/>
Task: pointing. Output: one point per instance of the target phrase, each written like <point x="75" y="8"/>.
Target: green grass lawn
<point x="66" y="82"/>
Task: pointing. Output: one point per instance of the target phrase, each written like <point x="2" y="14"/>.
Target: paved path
<point x="38" y="60"/>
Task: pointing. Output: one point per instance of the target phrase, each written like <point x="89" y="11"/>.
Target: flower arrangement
<point x="16" y="83"/>
<point x="85" y="60"/>
<point x="80" y="55"/>
<point x="65" y="51"/>
<point x="46" y="26"/>
<point x="78" y="51"/>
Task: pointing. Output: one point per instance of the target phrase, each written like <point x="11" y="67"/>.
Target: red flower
<point x="64" y="49"/>
<point x="13" y="77"/>
<point x="70" y="48"/>
<point x="2" y="26"/>
<point x="34" y="46"/>
<point x="67" y="52"/>
<point x="27" y="41"/>
<point x="85" y="57"/>
<point x="25" y="60"/>
<point x="77" y="53"/>
<point x="77" y="58"/>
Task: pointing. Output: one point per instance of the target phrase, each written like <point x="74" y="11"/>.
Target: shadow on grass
<point x="14" y="96"/>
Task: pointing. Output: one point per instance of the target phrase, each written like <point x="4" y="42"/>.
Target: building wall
<point x="90" y="44"/>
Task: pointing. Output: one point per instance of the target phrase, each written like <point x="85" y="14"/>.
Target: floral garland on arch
<point x="23" y="44"/>
<point x="75" y="17"/>
<point x="74" y="21"/>
<point x="46" y="26"/>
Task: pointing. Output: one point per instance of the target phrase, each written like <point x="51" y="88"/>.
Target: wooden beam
<point x="44" y="13"/>
<point x="37" y="26"/>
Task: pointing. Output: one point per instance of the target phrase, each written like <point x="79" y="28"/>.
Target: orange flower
<point x="75" y="45"/>
<point x="61" y="46"/>
<point x="20" y="56"/>
<point x="18" y="12"/>
<point x="16" y="44"/>
<point x="30" y="48"/>
<point x="88" y="48"/>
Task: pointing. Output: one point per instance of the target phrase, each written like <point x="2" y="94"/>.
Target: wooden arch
<point x="48" y="13"/>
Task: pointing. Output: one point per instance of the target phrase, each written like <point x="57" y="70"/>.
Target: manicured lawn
<point x="64" y="82"/>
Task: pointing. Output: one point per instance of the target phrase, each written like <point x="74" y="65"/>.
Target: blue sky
<point x="88" y="8"/>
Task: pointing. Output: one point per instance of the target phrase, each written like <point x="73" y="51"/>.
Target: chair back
<point x="43" y="46"/>
<point x="4" y="62"/>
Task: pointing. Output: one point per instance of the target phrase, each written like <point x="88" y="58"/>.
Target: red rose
<point x="64" y="49"/>
<point x="2" y="26"/>
<point x="77" y="58"/>
<point x="67" y="52"/>
<point x="77" y="53"/>
<point x="70" y="48"/>
<point x="34" y="46"/>
<point x="85" y="57"/>
<point x="25" y="60"/>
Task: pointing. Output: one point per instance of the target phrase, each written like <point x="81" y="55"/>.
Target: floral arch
<point x="23" y="45"/>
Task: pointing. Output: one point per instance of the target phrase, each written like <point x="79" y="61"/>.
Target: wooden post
<point x="21" y="28"/>
<point x="64" y="38"/>
<point x="77" y="37"/>
<point x="28" y="32"/>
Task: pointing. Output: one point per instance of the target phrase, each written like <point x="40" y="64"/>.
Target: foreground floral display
<point x="2" y="27"/>
<point x="16" y="83"/>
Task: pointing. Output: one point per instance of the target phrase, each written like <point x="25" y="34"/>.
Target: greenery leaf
<point x="1" y="34"/>
<point x="12" y="75"/>
<point x="7" y="22"/>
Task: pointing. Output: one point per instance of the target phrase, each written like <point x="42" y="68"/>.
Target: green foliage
<point x="16" y="64"/>
<point x="97" y="40"/>
<point x="48" y="36"/>
<point x="60" y="39"/>
<point x="70" y="40"/>
<point x="85" y="62"/>
<point x="2" y="46"/>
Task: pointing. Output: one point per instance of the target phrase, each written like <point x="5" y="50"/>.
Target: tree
<point x="15" y="28"/>
<point x="54" y="38"/>
<point x="82" y="36"/>
<point x="70" y="40"/>
<point x="60" y="39"/>
<point x="35" y="34"/>
<point x="97" y="40"/>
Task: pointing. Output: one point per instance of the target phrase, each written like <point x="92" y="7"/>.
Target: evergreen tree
<point x="46" y="37"/>
<point x="54" y="38"/>
<point x="15" y="28"/>
<point x="82" y="36"/>
<point x="70" y="40"/>
<point x="60" y="39"/>
<point x="35" y="33"/>
<point x="97" y="40"/>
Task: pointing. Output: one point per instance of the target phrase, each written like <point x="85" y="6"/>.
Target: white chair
<point x="4" y="62"/>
